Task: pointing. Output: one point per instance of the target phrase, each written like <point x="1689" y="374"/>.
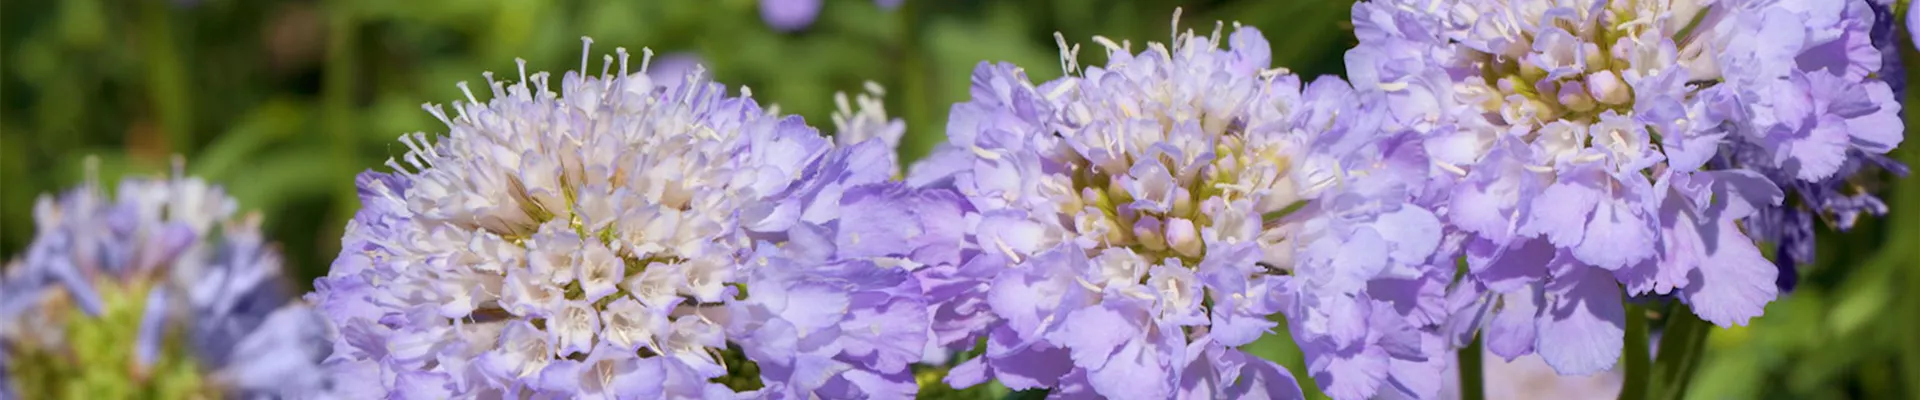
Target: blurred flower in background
<point x="1530" y="377"/>
<point x="789" y="15"/>
<point x="670" y="70"/>
<point x="157" y="289"/>
<point x="795" y="15"/>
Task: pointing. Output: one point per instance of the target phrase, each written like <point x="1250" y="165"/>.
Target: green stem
<point x="1680" y="347"/>
<point x="1472" y="384"/>
<point x="339" y="124"/>
<point x="338" y="81"/>
<point x="1636" y="355"/>
<point x="1906" y="225"/>
<point x="922" y="133"/>
<point x="166" y="76"/>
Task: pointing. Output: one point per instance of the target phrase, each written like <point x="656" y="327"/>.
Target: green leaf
<point x="267" y="124"/>
<point x="285" y="176"/>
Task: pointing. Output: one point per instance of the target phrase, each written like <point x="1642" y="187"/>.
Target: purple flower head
<point x="606" y="239"/>
<point x="1840" y="199"/>
<point x="1138" y="221"/>
<point x="1586" y="146"/>
<point x="795" y="15"/>
<point x="669" y="69"/>
<point x="165" y="272"/>
<point x="789" y="15"/>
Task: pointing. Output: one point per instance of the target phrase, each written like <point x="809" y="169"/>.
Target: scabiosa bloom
<point x="1842" y="198"/>
<point x="1589" y="145"/>
<point x="160" y="291"/>
<point x="1141" y="220"/>
<point x="599" y="242"/>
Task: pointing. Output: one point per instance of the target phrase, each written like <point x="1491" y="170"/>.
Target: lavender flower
<point x="1589" y="145"/>
<point x="619" y="238"/>
<point x="1137" y="222"/>
<point x="795" y="15"/>
<point x="789" y="15"/>
<point x="667" y="69"/>
<point x="1840" y="199"/>
<point x="159" y="290"/>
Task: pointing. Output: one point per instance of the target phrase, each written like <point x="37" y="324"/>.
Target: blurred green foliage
<point x="284" y="102"/>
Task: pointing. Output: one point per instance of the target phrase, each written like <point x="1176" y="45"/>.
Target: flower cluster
<point x="159" y="291"/>
<point x="1139" y="221"/>
<point x="621" y="237"/>
<point x="1586" y="146"/>
<point x="1120" y="231"/>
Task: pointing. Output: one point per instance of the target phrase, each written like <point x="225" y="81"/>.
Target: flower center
<point x="1158" y="204"/>
<point x="99" y="356"/>
<point x="1567" y="74"/>
<point x="1565" y="69"/>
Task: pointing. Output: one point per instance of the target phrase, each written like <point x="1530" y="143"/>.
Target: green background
<point x="284" y="101"/>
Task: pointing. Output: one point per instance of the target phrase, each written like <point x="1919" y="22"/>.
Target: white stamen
<point x="586" y="48"/>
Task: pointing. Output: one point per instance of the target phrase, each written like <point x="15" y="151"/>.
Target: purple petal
<point x="873" y="385"/>
<point x="1512" y="331"/>
<point x="1138" y="369"/>
<point x="1512" y="267"/>
<point x="1561" y="213"/>
<point x="1819" y="153"/>
<point x="812" y="307"/>
<point x="1882" y="130"/>
<point x="1617" y="237"/>
<point x="1414" y="232"/>
<point x="1233" y="327"/>
<point x="147" y="346"/>
<point x="1354" y="373"/>
<point x="1033" y="367"/>
<point x="1734" y="281"/>
<point x="1092" y="334"/>
<point x="1262" y="379"/>
<point x="281" y="354"/>
<point x="879" y="222"/>
<point x="1581" y="331"/>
